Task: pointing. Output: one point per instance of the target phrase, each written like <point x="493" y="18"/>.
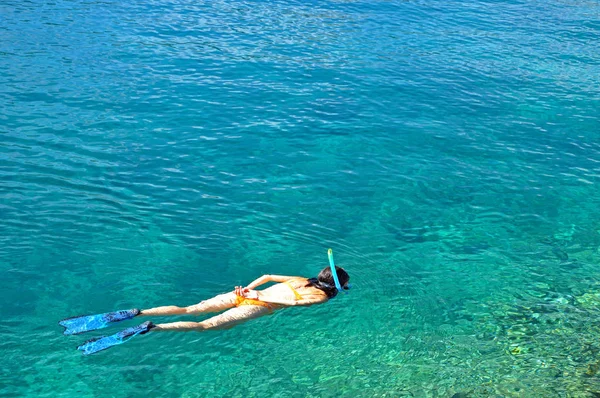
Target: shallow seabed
<point x="161" y="152"/>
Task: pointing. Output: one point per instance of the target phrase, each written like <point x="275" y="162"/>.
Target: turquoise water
<point x="162" y="152"/>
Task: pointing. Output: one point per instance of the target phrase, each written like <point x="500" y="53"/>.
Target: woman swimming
<point x="240" y="305"/>
<point x="246" y="303"/>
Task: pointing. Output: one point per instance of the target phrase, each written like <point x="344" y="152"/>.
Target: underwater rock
<point x="588" y="300"/>
<point x="562" y="301"/>
<point x="560" y="253"/>
<point x="592" y="369"/>
<point x="516" y="350"/>
<point x="461" y="395"/>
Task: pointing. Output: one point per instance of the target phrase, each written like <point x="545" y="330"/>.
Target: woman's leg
<point x="215" y="304"/>
<point x="226" y="320"/>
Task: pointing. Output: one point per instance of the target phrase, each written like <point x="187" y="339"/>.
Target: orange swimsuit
<point x="298" y="296"/>
<point x="239" y="300"/>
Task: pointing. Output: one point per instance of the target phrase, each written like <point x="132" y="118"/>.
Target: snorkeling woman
<point x="240" y="305"/>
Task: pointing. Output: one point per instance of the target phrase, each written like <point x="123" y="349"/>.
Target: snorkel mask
<point x="338" y="286"/>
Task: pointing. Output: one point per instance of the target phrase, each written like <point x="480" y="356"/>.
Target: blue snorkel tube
<point x="334" y="272"/>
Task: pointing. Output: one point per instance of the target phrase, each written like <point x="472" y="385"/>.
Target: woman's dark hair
<point x="325" y="282"/>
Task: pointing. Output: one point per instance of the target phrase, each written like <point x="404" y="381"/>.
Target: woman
<point x="241" y="305"/>
<point x="246" y="303"/>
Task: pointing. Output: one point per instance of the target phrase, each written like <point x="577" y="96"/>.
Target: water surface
<point x="162" y="152"/>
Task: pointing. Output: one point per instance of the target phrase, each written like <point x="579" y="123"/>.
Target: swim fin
<point x="85" y="323"/>
<point x="102" y="343"/>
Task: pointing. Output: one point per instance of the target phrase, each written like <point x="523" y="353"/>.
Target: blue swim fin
<point x="102" y="343"/>
<point x="85" y="323"/>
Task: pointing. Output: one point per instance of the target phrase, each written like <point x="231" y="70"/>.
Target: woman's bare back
<point x="283" y="291"/>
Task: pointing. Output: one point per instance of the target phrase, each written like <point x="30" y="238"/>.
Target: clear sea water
<point x="161" y="152"/>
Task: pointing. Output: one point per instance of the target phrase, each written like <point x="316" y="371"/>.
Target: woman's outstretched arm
<point x="303" y="302"/>
<point x="268" y="278"/>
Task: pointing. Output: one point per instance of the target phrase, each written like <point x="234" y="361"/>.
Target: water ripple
<point x="164" y="151"/>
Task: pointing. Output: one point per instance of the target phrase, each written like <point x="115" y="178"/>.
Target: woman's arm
<point x="290" y="303"/>
<point x="268" y="278"/>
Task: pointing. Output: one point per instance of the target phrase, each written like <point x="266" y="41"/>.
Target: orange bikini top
<point x="298" y="296"/>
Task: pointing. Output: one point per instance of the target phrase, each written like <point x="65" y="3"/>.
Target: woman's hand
<point x="239" y="291"/>
<point x="245" y="292"/>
